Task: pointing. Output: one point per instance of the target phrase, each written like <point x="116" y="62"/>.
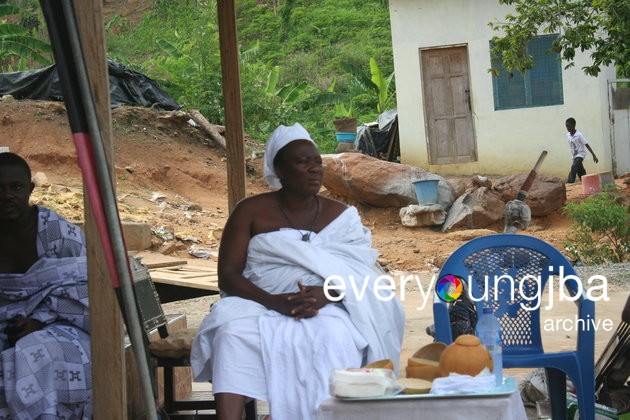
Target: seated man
<point x="44" y="329"/>
<point x="276" y="334"/>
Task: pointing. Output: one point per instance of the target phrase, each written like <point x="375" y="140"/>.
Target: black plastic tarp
<point x="126" y="87"/>
<point x="379" y="141"/>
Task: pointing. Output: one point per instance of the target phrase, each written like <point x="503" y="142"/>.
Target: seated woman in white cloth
<point x="44" y="326"/>
<point x="274" y="335"/>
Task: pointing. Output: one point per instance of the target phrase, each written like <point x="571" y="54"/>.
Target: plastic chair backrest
<point x="514" y="269"/>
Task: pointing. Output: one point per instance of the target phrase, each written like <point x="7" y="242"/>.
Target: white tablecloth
<point x="507" y="407"/>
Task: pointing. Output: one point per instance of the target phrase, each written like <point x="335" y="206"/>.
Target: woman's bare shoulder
<point x="251" y="211"/>
<point x="255" y="201"/>
<point x="330" y="209"/>
<point x="332" y="203"/>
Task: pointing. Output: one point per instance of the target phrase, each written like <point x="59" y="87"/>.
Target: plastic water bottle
<point x="489" y="333"/>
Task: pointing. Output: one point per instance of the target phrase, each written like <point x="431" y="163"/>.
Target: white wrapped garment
<point x="295" y="358"/>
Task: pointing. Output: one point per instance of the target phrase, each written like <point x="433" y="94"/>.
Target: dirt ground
<point x="171" y="176"/>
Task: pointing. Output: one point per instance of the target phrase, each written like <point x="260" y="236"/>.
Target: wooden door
<point x="447" y="105"/>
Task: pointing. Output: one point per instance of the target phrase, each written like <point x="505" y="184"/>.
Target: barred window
<point x="539" y="86"/>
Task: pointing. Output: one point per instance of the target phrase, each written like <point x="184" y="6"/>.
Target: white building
<point x="456" y="118"/>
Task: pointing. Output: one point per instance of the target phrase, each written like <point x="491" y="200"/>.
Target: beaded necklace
<point x="306" y="236"/>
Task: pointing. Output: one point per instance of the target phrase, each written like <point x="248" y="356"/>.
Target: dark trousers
<point x="577" y="168"/>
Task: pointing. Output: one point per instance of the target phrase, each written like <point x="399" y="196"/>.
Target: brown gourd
<point x="466" y="356"/>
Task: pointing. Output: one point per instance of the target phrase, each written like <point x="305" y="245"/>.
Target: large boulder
<point x="377" y="182"/>
<point x="459" y="184"/>
<point x="547" y="193"/>
<point x="475" y="210"/>
<point x="467" y="184"/>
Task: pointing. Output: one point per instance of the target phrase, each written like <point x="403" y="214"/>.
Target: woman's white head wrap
<point x="280" y="137"/>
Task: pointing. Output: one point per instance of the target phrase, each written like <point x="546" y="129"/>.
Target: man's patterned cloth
<point x="56" y="237"/>
<point x="47" y="374"/>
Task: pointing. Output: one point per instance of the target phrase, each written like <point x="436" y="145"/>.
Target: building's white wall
<point x="622" y="140"/>
<point x="508" y="141"/>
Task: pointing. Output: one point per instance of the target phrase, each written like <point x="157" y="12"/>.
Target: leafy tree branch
<point x="601" y="27"/>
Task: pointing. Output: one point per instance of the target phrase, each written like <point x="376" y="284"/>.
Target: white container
<point x="361" y="382"/>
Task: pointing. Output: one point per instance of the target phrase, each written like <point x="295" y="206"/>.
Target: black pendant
<point x="306" y="236"/>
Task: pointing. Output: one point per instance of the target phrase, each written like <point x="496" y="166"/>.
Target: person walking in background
<point x="578" y="145"/>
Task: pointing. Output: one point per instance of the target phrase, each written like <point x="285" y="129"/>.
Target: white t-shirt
<point x="577" y="143"/>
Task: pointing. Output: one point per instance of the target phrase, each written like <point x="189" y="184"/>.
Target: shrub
<point x="600" y="230"/>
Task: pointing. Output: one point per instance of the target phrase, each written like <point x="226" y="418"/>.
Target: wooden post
<point x="232" y="101"/>
<point x="108" y="363"/>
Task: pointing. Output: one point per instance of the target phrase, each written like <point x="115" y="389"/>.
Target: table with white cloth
<point x="456" y="408"/>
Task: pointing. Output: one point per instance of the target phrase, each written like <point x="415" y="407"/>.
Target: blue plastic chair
<point x="517" y="256"/>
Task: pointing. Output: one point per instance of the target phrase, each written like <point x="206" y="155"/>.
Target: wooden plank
<point x="156" y="260"/>
<point x="183" y="272"/>
<point x="163" y="264"/>
<point x="188" y="268"/>
<point x="108" y="361"/>
<point x="187" y="281"/>
<point x="191" y="276"/>
<point x="232" y="102"/>
<point x="179" y="276"/>
<point x="208" y="282"/>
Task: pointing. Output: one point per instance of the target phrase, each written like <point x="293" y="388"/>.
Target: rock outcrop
<point x="377" y="182"/>
<point x="547" y="194"/>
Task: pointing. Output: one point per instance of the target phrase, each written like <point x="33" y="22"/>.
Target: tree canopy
<point x="600" y="27"/>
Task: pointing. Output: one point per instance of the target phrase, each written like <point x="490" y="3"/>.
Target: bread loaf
<point x="415" y="386"/>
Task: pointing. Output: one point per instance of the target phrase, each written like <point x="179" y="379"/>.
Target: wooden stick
<point x="211" y="129"/>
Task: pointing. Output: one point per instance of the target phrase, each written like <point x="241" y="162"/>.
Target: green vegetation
<point x="599" y="26"/>
<point x="20" y="41"/>
<point x="300" y="61"/>
<point x="600" y="230"/>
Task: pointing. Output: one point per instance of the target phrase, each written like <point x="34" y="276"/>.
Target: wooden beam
<point x="232" y="101"/>
<point x="108" y="363"/>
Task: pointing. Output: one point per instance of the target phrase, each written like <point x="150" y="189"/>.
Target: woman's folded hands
<point x="303" y="304"/>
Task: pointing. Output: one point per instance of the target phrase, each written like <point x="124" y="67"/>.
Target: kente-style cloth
<point x="247" y="349"/>
<point x="56" y="237"/>
<point x="280" y="137"/>
<point x="47" y="374"/>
